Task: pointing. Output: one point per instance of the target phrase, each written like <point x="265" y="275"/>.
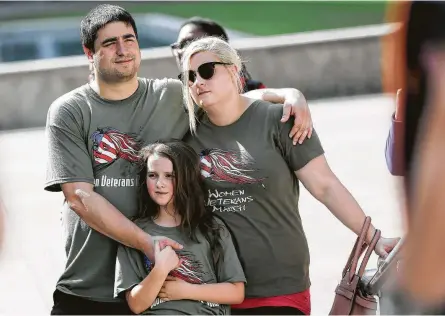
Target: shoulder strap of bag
<point x="357" y="250"/>
<point x="369" y="251"/>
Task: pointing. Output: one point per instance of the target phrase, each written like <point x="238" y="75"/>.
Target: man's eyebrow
<point x="114" y="39"/>
<point x="129" y="36"/>
<point x="109" y="40"/>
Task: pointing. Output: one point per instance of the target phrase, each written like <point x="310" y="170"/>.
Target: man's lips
<point x="123" y="61"/>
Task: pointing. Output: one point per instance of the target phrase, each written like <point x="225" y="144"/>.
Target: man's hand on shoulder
<point x="296" y="105"/>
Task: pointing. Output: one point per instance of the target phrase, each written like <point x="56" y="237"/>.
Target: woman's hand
<point x="385" y="245"/>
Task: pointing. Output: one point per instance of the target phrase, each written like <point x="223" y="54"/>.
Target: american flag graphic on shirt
<point x="110" y="144"/>
<point x="228" y="166"/>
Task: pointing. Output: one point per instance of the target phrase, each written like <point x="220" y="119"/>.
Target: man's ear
<point x="88" y="53"/>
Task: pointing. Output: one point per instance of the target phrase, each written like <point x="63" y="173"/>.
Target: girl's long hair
<point x="189" y="197"/>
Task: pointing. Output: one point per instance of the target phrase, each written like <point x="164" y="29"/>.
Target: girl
<point x="206" y="274"/>
<point x="252" y="172"/>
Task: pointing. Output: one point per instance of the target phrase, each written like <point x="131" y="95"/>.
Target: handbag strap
<point x="368" y="253"/>
<point x="357" y="250"/>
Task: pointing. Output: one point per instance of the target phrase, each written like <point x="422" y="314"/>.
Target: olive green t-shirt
<point x="248" y="167"/>
<point x="198" y="267"/>
<point x="94" y="140"/>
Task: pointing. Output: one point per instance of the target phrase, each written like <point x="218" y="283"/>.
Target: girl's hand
<point x="166" y="259"/>
<point x="149" y="247"/>
<point x="174" y="289"/>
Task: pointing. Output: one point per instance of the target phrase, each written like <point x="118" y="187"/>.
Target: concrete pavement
<point x="353" y="132"/>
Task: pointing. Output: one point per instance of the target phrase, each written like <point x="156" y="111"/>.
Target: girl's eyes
<point x="152" y="175"/>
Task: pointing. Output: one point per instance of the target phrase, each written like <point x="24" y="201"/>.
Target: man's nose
<point x="120" y="47"/>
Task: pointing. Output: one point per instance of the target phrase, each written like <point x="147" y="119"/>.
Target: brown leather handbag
<point x="350" y="295"/>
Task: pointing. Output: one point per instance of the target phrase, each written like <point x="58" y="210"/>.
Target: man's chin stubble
<point x="116" y="76"/>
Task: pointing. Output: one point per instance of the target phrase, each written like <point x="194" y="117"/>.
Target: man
<point x="94" y="133"/>
<point x="195" y="28"/>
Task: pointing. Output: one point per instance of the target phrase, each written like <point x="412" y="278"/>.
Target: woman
<point x="252" y="175"/>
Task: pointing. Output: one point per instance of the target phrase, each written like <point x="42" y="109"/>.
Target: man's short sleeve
<point x="229" y="267"/>
<point x="126" y="276"/>
<point x="296" y="156"/>
<point x="68" y="159"/>
<point x="170" y="109"/>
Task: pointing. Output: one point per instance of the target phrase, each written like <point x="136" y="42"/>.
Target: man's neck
<point x="115" y="91"/>
<point x="229" y="111"/>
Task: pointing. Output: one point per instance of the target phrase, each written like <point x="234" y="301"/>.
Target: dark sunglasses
<point x="205" y="71"/>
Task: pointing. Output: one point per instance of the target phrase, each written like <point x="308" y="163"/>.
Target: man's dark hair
<point x="211" y="28"/>
<point x="100" y="16"/>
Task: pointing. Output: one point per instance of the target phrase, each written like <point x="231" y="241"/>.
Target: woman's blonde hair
<point x="223" y="51"/>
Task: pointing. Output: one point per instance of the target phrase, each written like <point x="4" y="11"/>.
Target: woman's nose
<point x="199" y="82"/>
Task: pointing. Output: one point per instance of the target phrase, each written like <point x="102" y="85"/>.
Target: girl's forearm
<point x="219" y="293"/>
<point x="144" y="294"/>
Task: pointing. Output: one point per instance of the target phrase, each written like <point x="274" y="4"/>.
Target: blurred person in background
<point x="424" y="278"/>
<point x="2" y="226"/>
<point x="394" y="78"/>
<point x="420" y="286"/>
<point x="195" y="28"/>
<point x="94" y="134"/>
<point x="394" y="141"/>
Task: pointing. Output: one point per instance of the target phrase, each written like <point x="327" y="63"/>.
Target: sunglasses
<point x="205" y="71"/>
